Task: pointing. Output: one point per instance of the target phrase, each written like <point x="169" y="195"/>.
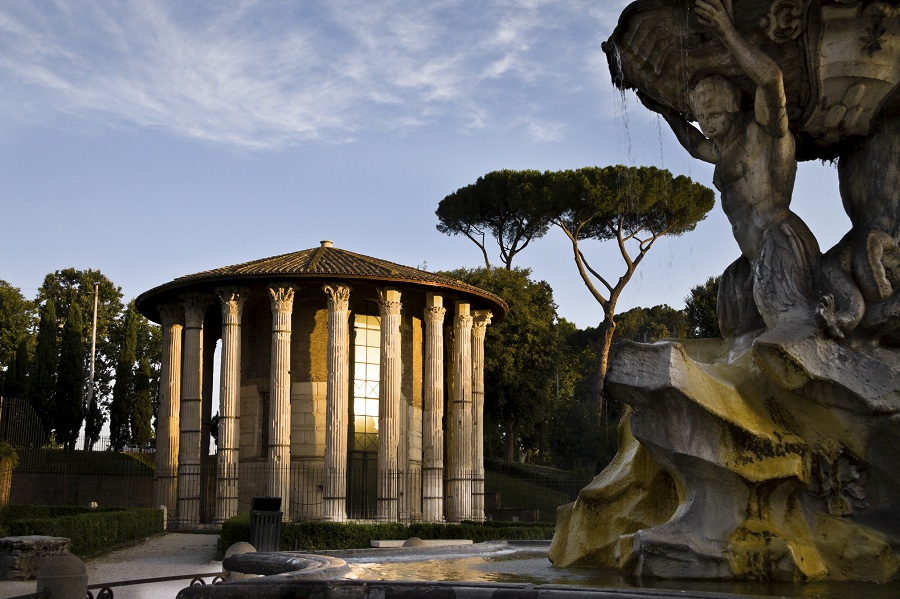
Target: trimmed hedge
<point x="91" y="530"/>
<point x="317" y="536"/>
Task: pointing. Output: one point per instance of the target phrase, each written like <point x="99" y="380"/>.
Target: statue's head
<point x="714" y="102"/>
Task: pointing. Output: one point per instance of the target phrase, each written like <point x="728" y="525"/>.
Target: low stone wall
<point x="21" y="558"/>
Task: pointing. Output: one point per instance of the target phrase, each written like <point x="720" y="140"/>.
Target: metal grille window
<point x="366" y="381"/>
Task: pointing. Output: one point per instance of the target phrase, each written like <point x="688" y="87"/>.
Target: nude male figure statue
<point x="753" y="151"/>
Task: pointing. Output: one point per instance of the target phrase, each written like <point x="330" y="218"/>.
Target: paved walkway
<point x="168" y="554"/>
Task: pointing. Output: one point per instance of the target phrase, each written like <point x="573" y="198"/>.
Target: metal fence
<point x="46" y="475"/>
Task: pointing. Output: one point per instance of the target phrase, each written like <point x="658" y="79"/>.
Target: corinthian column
<point x="461" y="448"/>
<point x="191" y="399"/>
<point x="389" y="406"/>
<point x="167" y="421"/>
<point x="232" y="299"/>
<point x="433" y="428"/>
<point x="481" y="321"/>
<point x="336" y="402"/>
<point x="279" y="480"/>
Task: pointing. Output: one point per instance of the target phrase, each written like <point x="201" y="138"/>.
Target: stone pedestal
<point x="21" y="558"/>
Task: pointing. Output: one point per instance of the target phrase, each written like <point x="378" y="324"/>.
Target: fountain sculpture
<point x="774" y="453"/>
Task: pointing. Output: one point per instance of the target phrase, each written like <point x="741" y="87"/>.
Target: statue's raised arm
<point x="770" y="105"/>
<point x="697" y="145"/>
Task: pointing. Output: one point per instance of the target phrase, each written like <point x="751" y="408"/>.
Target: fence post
<point x="63" y="577"/>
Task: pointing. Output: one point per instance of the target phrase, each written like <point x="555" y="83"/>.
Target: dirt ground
<point x="168" y="554"/>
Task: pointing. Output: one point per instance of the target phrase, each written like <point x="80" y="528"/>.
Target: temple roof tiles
<point x="325" y="261"/>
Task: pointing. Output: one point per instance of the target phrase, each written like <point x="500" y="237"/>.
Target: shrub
<point x="91" y="530"/>
<point x="8" y="455"/>
<point x="319" y="536"/>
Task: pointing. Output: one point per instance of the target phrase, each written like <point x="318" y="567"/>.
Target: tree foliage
<point x="67" y="411"/>
<point x="42" y="377"/>
<point x="506" y="205"/>
<point x="122" y="404"/>
<point x="633" y="206"/>
<point x="520" y="358"/>
<point x="16" y="314"/>
<point x="700" y="308"/>
<point x="15" y="379"/>
<point x="142" y="415"/>
<point x="648" y="325"/>
<point x="68" y="286"/>
<point x="31" y="367"/>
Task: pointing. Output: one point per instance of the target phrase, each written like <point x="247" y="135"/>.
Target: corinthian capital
<point x="232" y="298"/>
<point x="389" y="300"/>
<point x="481" y="320"/>
<point x="171" y="314"/>
<point x="195" y="304"/>
<point x="435" y="314"/>
<point x="282" y="296"/>
<point x="338" y="296"/>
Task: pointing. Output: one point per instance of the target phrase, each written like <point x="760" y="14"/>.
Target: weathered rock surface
<point x="749" y="458"/>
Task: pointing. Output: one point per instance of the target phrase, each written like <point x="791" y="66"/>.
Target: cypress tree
<point x="123" y="390"/>
<point x="42" y="380"/>
<point x="141" y="431"/>
<point x="14" y="383"/>
<point x="68" y="401"/>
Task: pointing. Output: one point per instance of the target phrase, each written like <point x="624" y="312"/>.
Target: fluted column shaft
<point x="433" y="428"/>
<point x="279" y="462"/>
<point x="481" y="321"/>
<point x="389" y="407"/>
<point x="337" y="398"/>
<point x="461" y="448"/>
<point x="227" y="458"/>
<point x="168" y="417"/>
<point x="191" y="399"/>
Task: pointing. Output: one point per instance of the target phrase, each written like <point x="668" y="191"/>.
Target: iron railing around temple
<point x="51" y="476"/>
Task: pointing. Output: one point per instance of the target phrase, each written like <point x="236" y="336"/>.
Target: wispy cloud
<point x="258" y="74"/>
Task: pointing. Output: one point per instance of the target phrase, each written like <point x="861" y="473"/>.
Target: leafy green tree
<point x="520" y="360"/>
<point x="42" y="377"/>
<point x="149" y="346"/>
<point x="632" y="206"/>
<point x="508" y="205"/>
<point x="142" y="415"/>
<point x="700" y="308"/>
<point x="67" y="411"/>
<point x="68" y="286"/>
<point x="648" y="325"/>
<point x="16" y="314"/>
<point x="120" y="409"/>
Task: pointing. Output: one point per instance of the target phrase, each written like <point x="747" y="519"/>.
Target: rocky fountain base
<point x="756" y="457"/>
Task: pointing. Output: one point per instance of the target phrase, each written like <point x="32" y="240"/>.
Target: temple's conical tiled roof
<point x="323" y="262"/>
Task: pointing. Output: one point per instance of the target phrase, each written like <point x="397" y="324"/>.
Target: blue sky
<point x="155" y="139"/>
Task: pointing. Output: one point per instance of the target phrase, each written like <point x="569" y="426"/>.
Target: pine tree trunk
<point x="607" y="328"/>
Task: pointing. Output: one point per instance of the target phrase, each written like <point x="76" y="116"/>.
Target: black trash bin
<point x="265" y="523"/>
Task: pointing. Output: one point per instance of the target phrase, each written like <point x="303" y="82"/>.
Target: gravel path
<point x="168" y="554"/>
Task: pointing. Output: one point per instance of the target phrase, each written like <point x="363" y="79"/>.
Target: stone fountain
<point x="774" y="453"/>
